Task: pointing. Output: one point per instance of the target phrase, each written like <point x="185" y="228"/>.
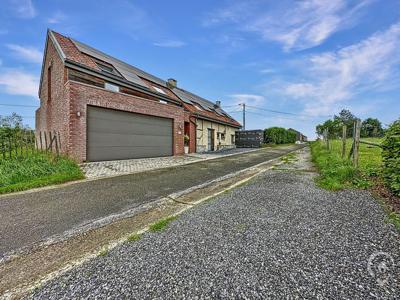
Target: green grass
<point x="162" y="224"/>
<point x="337" y="173"/>
<point x="103" y="252"/>
<point x="36" y="170"/>
<point x="395" y="219"/>
<point x="289" y="158"/>
<point x="134" y="237"/>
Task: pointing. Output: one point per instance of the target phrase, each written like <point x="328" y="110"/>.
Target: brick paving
<point x="128" y="166"/>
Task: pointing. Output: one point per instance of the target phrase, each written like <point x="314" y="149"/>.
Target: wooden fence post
<point x="55" y="137"/>
<point x="357" y="127"/>
<point x="344" y="136"/>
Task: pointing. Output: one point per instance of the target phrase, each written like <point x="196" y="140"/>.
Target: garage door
<point x="113" y="134"/>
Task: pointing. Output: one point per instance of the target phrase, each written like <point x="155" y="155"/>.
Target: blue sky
<point x="310" y="58"/>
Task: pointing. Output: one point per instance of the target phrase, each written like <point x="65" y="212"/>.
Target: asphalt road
<point x="278" y="237"/>
<point x="27" y="219"/>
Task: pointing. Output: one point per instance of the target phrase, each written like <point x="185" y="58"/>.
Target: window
<point x="108" y="69"/>
<point x="49" y="83"/>
<point x="111" y="87"/>
<point x="223" y="136"/>
<point x="232" y="139"/>
<point x="198" y="107"/>
<point x="159" y="90"/>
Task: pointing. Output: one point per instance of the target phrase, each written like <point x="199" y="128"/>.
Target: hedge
<point x="279" y="135"/>
<point x="391" y="157"/>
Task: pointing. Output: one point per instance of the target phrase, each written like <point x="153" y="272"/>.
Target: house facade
<point x="299" y="136"/>
<point x="106" y="109"/>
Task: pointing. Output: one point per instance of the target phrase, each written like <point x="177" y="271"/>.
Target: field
<point x="35" y="170"/>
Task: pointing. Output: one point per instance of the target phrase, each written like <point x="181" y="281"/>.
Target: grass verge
<point x="162" y="224"/>
<point x="337" y="173"/>
<point x="134" y="237"/>
<point x="36" y="170"/>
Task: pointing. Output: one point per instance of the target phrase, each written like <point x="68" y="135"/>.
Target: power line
<point x="280" y="112"/>
<point x="18" y="105"/>
<point x="264" y="115"/>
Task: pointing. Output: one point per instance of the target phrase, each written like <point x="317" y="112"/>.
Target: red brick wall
<point x="53" y="115"/>
<point x="69" y="97"/>
<point x="81" y="95"/>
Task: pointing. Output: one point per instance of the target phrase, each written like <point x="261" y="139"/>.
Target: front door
<point x="210" y="139"/>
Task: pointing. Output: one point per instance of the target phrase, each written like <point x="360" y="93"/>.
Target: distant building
<point x="299" y="136"/>
<point x="249" y="138"/>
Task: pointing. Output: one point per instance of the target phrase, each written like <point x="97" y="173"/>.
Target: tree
<point x="333" y="126"/>
<point x="371" y="128"/>
<point x="13" y="121"/>
<point x="279" y="135"/>
<point x="345" y="117"/>
<point x="11" y="125"/>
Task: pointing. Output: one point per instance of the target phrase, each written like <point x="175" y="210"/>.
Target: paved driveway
<point x="29" y="218"/>
<point x="279" y="237"/>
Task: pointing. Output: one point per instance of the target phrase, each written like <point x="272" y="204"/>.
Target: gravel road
<point x="277" y="237"/>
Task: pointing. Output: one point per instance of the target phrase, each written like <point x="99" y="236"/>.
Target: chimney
<point x="172" y="83"/>
<point x="217" y="104"/>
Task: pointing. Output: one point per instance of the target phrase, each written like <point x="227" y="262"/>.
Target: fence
<point x="356" y="141"/>
<point x="25" y="142"/>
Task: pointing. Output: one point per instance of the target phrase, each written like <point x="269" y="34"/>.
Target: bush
<point x="279" y="135"/>
<point x="391" y="157"/>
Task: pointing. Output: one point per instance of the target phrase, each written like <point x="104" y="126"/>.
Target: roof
<point x="84" y="55"/>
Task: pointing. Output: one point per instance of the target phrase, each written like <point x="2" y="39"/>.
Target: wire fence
<point x="355" y="142"/>
<point x="27" y="142"/>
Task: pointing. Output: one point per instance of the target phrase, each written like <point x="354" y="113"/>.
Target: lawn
<point x="337" y="172"/>
<point x="36" y="170"/>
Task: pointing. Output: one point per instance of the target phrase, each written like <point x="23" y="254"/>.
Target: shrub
<point x="279" y="135"/>
<point x="391" y="157"/>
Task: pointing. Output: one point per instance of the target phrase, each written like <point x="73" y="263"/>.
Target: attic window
<point x="108" y="69"/>
<point x="198" y="107"/>
<point x="159" y="90"/>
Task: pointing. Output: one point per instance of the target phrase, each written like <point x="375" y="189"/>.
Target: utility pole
<point x="244" y="115"/>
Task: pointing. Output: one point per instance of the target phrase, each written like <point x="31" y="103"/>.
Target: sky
<point x="304" y="60"/>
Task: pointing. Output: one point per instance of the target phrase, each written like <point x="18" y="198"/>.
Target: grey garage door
<point x="113" y="134"/>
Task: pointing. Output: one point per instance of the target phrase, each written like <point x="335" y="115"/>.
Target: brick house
<point x="106" y="109"/>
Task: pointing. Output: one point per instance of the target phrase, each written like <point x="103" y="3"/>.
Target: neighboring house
<point x="249" y="138"/>
<point x="299" y="136"/>
<point x="106" y="109"/>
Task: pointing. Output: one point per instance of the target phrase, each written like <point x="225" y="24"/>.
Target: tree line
<point x="370" y="127"/>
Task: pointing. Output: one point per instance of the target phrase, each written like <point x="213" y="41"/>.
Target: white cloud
<point x="17" y="82"/>
<point x="58" y="17"/>
<point x="249" y="99"/>
<point x="25" y="8"/>
<point x="332" y="78"/>
<point x="302" y="25"/>
<point x="30" y="54"/>
<point x="170" y="44"/>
